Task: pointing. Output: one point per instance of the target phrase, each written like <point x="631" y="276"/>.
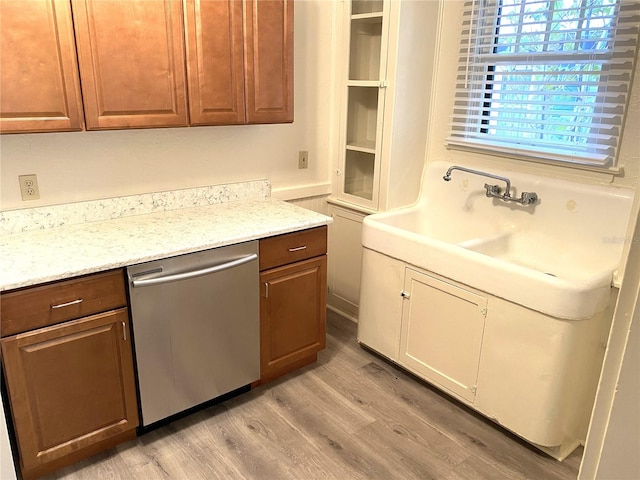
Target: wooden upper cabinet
<point x="269" y="61"/>
<point x="131" y="57"/>
<point x="39" y="85"/>
<point x="215" y="69"/>
<point x="136" y="59"/>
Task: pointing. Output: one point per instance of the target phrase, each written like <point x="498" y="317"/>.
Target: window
<point x="545" y="80"/>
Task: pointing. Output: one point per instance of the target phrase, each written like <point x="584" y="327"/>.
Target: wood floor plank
<point x="351" y="415"/>
<point x="290" y="445"/>
<point x="319" y="428"/>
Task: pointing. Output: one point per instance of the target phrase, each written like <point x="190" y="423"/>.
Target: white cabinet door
<point x="441" y="335"/>
<point x="380" y="303"/>
<point x="345" y="261"/>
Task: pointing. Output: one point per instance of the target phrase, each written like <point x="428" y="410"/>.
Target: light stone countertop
<point x="38" y="256"/>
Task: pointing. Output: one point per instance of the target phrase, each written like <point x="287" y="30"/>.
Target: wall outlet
<point x="29" y="187"/>
<point x="303" y="159"/>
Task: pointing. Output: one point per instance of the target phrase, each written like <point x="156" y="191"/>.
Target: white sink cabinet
<point x="529" y="372"/>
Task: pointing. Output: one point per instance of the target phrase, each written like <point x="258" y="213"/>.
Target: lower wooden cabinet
<point x="70" y="385"/>
<point x="292" y="301"/>
<point x="292" y="316"/>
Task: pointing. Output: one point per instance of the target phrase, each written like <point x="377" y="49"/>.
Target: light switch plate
<point x="303" y="159"/>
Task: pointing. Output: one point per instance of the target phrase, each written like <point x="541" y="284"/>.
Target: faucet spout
<point x="494" y="191"/>
<point x="447" y="177"/>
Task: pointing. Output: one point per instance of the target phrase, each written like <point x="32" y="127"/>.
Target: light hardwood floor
<point x="350" y="416"/>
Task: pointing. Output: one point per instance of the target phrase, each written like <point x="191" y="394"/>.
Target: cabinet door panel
<point x="70" y="386"/>
<point x="39" y="84"/>
<point x="292" y="313"/>
<point x="441" y="334"/>
<point x="215" y="61"/>
<point x="269" y="61"/>
<point x="131" y="57"/>
<point x="345" y="260"/>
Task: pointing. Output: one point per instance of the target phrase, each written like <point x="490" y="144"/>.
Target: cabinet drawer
<point x="36" y="307"/>
<point x="292" y="247"/>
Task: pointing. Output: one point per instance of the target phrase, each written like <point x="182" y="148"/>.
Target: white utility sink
<point x="557" y="256"/>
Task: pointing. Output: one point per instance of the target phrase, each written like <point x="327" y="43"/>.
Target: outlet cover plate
<point x="29" y="187"/>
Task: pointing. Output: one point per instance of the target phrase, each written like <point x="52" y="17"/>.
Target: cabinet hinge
<point x="405" y="294"/>
<point x="384" y="83"/>
<point x="474" y="389"/>
<point x="483" y="311"/>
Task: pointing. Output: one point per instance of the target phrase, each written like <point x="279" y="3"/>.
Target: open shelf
<point x="367" y="146"/>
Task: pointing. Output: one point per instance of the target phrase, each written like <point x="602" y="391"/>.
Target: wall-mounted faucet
<point x="527" y="198"/>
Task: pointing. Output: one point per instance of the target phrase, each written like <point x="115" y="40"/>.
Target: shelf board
<point x="365" y="146"/>
<point x="363" y="83"/>
<point x="374" y="17"/>
<point x="364" y="194"/>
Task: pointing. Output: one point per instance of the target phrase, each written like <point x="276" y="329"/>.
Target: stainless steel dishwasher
<point x="196" y="327"/>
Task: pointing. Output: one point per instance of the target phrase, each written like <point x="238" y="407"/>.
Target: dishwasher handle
<point x="147" y="282"/>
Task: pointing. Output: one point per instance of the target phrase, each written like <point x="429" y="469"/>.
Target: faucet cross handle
<point x="493" y="190"/>
<point x="528" y="198"/>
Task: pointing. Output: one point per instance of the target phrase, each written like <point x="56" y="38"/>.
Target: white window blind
<point x="546" y="80"/>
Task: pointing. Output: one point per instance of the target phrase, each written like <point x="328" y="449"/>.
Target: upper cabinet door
<point x="131" y="57"/>
<point x="213" y="32"/>
<point x="39" y="85"/>
<point x="269" y="60"/>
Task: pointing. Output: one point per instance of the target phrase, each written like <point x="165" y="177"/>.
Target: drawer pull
<point x="297" y="249"/>
<point x="68" y="304"/>
<point x="124" y="331"/>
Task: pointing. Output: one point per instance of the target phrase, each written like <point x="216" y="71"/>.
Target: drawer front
<point x="36" y="307"/>
<point x="292" y="247"/>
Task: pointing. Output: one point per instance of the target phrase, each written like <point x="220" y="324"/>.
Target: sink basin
<point x="557" y="257"/>
<point x="421" y="223"/>
<point x="540" y="252"/>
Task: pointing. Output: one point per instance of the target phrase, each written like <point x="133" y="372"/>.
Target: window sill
<point x="455" y="144"/>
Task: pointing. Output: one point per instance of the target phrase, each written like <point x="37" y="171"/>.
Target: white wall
<point x="89" y="165"/>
